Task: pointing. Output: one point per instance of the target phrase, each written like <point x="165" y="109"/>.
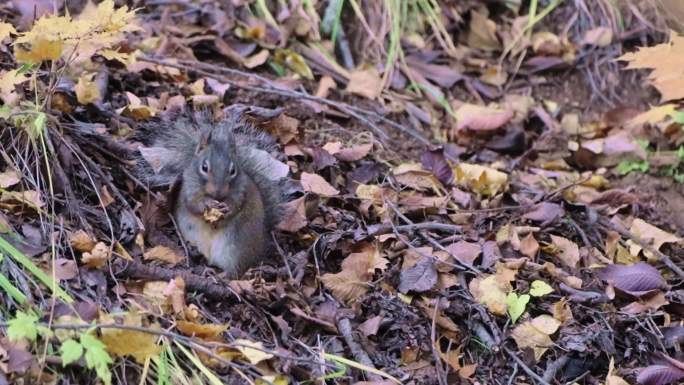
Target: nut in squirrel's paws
<point x="215" y="211"/>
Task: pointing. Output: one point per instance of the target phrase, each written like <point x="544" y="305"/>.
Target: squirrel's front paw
<point x="216" y="211"/>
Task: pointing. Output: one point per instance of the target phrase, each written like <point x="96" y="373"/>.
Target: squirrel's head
<point x="215" y="174"/>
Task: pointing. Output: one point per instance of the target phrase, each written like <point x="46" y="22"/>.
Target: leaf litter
<point x="453" y="218"/>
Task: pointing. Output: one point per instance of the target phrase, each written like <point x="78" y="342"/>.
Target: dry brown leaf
<point x="480" y="118"/>
<point x="9" y="178"/>
<point x="353" y="280"/>
<point x="365" y="82"/>
<point x="650" y="234"/>
<point x="599" y="36"/>
<point x="163" y="254"/>
<point x="97" y="257"/>
<point x="566" y="250"/>
<point x="82" y="241"/>
<point x="482" y="33"/>
<point x="294" y="216"/>
<point x="413" y="175"/>
<point x="316" y="184"/>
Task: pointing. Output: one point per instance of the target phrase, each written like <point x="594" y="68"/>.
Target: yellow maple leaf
<point x="87" y="90"/>
<point x="252" y="350"/>
<point x="652" y="116"/>
<point x="8" y="80"/>
<point x="665" y="61"/>
<point x="125" y="342"/>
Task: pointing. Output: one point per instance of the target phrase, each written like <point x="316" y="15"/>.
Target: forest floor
<point x="481" y="193"/>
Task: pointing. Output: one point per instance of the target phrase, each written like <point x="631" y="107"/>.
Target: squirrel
<point x="225" y="195"/>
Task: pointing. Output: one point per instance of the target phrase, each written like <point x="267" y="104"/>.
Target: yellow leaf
<point x="6" y="29"/>
<point x="527" y="335"/>
<point x="481" y="179"/>
<point x="252" y="350"/>
<point x="653" y="116"/>
<point x="124" y="342"/>
<point x="87" y="90"/>
<point x="203" y="331"/>
<point x="8" y="81"/>
<point x="491" y="292"/>
<point x="39" y="51"/>
<point x="277" y="379"/>
<point x="121" y="57"/>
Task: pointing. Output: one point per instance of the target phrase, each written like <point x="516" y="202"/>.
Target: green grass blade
<point x="7" y="248"/>
<point x="10" y="289"/>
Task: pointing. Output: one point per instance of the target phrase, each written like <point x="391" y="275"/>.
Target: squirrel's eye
<point x="204" y="168"/>
<point x="233" y="170"/>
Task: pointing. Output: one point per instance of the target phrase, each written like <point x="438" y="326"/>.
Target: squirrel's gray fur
<point x="173" y="145"/>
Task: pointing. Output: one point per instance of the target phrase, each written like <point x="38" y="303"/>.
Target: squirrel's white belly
<point x="217" y="245"/>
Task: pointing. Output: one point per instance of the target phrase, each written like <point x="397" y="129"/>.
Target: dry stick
<point x="441" y="374"/>
<point x="626" y="233"/>
<point x="385" y="229"/>
<point x="360" y="355"/>
<point x="353" y="111"/>
<point x="525" y="368"/>
<point x="137" y="270"/>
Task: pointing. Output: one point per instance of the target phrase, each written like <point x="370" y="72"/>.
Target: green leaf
<point x="5" y="112"/>
<point x="627" y="166"/>
<point x="678" y="117"/>
<point x="70" y="351"/>
<point x="516" y="305"/>
<point x="23" y="326"/>
<point x="96" y="357"/>
<point x="540" y="288"/>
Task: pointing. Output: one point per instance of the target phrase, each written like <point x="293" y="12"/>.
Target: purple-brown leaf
<point x="419" y="278"/>
<point x="659" y="375"/>
<point x="545" y="212"/>
<point x="638" y="279"/>
<point x="435" y="161"/>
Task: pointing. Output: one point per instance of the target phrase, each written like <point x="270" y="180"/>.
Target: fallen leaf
<point x="252" y="350"/>
<point x="528" y="335"/>
<point x="566" y="250"/>
<point x="65" y="269"/>
<point x="516" y="305"/>
<point x="482" y="33"/>
<point x="82" y="241"/>
<point x="316" y="184"/>
<point x="124" y="342"/>
<point x="491" y="292"/>
<point x="9" y="178"/>
<point x="97" y="257"/>
<point x="481" y="119"/>
<point x="466" y="252"/>
<point x="539" y="288"/>
<point x="365" y="82"/>
<point x="638" y="280"/>
<point x="207" y="332"/>
<point x="419" y="278"/>
<point x="163" y="254"/>
<point x="650" y="234"/>
<point x="480" y="179"/>
<point x="87" y="90"/>
<point x="294" y="216"/>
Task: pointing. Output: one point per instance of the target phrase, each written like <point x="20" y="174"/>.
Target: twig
<point x="360" y="355"/>
<point x="553" y="367"/>
<point x="134" y="269"/>
<point x="385" y="229"/>
<point x="441" y="375"/>
<point x="525" y="368"/>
